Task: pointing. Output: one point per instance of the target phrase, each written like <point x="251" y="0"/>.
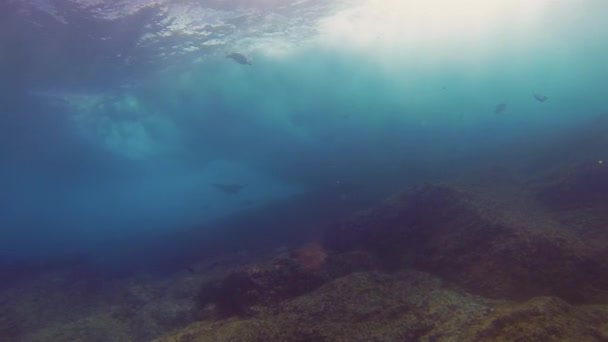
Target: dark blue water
<point x="123" y="123"/>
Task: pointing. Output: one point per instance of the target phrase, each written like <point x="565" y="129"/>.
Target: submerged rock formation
<point x="404" y="306"/>
<point x="436" y="263"/>
<point x="241" y="291"/>
<point x="504" y="256"/>
<point x="446" y="232"/>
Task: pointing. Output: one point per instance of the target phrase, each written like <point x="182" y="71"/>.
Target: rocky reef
<point x="508" y="256"/>
<point x="437" y="263"/>
<point x="404" y="306"/>
<point x="488" y="251"/>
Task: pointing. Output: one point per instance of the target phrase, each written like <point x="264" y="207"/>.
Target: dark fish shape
<point x="239" y="58"/>
<point x="500" y="108"/>
<point x="229" y="189"/>
<point x="540" y="98"/>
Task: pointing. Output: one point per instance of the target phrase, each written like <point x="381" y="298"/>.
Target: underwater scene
<point x="303" y="170"/>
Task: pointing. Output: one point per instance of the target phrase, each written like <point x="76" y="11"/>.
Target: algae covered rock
<point x="404" y="306"/>
<point x="362" y="306"/>
<point x="435" y="264"/>
<point x="543" y="319"/>
<point x="495" y="253"/>
<point x="263" y="284"/>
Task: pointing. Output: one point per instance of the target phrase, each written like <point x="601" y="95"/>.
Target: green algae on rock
<point x="404" y="306"/>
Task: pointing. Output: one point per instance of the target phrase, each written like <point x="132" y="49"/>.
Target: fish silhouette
<point x="500" y="108"/>
<point x="239" y="58"/>
<point x="229" y="189"/>
<point x="540" y="98"/>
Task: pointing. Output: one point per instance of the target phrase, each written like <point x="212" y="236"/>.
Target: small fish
<point x="239" y="58"/>
<point x="540" y="98"/>
<point x="500" y="108"/>
<point x="229" y="189"/>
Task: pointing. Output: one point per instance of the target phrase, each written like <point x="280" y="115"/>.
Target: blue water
<point x="117" y="119"/>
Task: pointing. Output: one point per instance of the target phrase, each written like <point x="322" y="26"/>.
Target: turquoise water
<point x="120" y="121"/>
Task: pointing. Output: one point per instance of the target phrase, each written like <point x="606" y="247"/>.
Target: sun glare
<point x="391" y="23"/>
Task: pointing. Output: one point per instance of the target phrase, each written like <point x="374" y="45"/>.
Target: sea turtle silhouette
<point x="500" y="108"/>
<point x="239" y="58"/>
<point x="540" y="98"/>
